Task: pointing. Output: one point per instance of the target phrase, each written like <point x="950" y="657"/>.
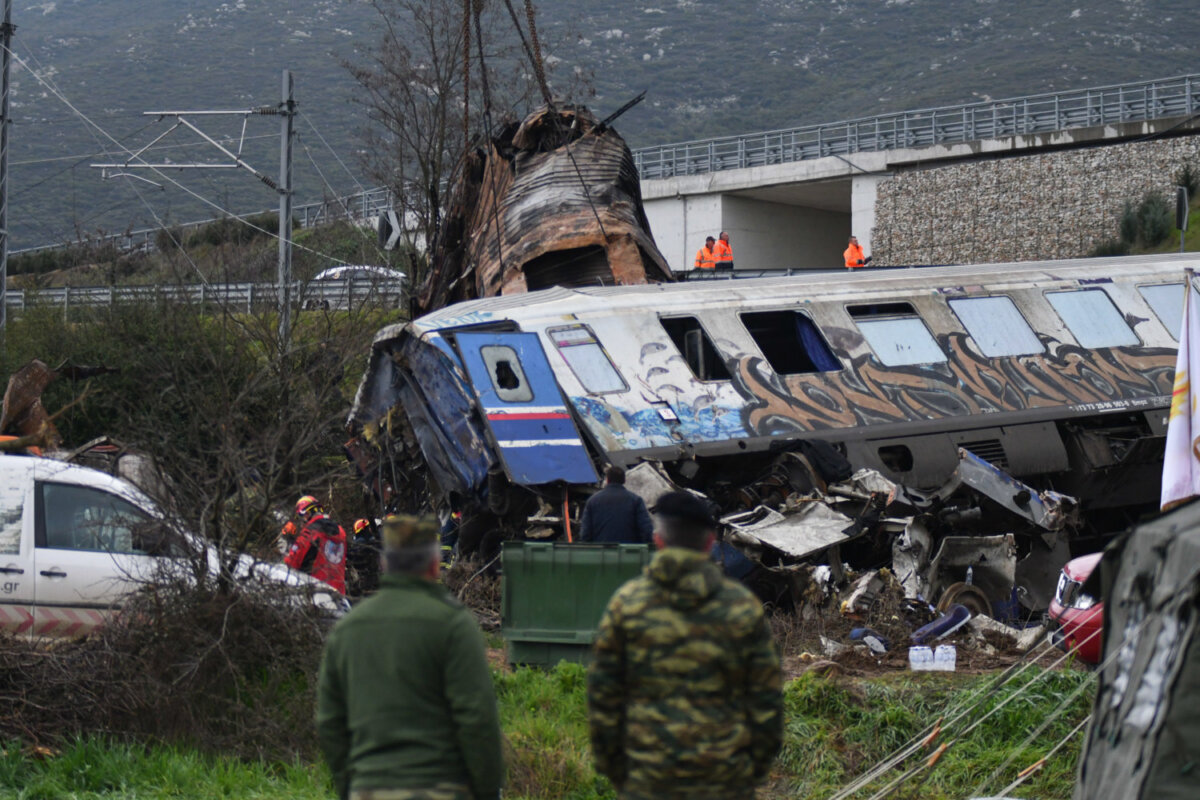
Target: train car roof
<point x="824" y="285"/>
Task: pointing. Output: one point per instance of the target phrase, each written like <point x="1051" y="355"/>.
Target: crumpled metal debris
<point x="551" y="201"/>
<point x="812" y="528"/>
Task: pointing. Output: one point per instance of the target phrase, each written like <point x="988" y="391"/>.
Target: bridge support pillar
<point x="863" y="192"/>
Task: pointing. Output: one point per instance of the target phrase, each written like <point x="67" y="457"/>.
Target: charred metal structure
<point x="551" y="201"/>
<point x="1057" y="374"/>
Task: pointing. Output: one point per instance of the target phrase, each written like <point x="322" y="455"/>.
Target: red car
<point x="1080" y="616"/>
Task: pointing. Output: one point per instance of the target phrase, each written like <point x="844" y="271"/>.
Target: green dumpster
<point x="553" y="595"/>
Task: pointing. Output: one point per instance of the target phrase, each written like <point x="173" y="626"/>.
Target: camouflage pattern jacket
<point x="684" y="694"/>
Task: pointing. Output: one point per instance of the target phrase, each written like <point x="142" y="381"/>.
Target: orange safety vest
<point x="854" y="256"/>
<point x="705" y="259"/>
<point x="723" y="253"/>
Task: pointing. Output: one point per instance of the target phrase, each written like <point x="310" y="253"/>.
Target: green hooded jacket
<point x="405" y="697"/>
<point x="684" y="692"/>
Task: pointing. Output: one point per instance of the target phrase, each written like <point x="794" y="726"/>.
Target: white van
<point x="75" y="541"/>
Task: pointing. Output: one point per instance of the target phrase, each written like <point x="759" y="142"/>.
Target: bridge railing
<point x="348" y="293"/>
<point x="1043" y="113"/>
<point x="360" y="206"/>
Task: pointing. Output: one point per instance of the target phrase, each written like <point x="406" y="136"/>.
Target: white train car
<point x="1058" y="372"/>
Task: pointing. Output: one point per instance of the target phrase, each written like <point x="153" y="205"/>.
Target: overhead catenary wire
<point x="1011" y="673"/>
<point x="1037" y="732"/>
<point x="340" y="200"/>
<point x="1036" y="767"/>
<point x="932" y="760"/>
<point x="308" y="121"/>
<point x="100" y="130"/>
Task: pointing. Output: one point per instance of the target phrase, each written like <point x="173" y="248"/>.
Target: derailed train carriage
<point x="505" y="409"/>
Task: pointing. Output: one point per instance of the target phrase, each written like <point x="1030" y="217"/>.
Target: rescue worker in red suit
<point x="320" y="546"/>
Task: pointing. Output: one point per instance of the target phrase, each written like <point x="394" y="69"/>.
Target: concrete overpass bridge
<point x="790" y="198"/>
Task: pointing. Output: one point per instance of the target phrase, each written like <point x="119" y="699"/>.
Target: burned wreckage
<point x="969" y="425"/>
<point x="993" y="414"/>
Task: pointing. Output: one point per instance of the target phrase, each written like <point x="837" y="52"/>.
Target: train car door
<point x="524" y="408"/>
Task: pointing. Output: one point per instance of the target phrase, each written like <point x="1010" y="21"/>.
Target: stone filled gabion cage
<point x="1022" y="208"/>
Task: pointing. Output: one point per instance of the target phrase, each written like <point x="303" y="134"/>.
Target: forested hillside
<point x="710" y="68"/>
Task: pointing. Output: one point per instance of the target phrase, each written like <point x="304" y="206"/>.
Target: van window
<point x="504" y="368"/>
<point x="1166" y="300"/>
<point x="696" y="348"/>
<point x="1092" y="318"/>
<point x="12" y="507"/>
<point x="587" y="359"/>
<point x="996" y="326"/>
<point x="897" y="334"/>
<point x="83" y="518"/>
<point x="790" y="342"/>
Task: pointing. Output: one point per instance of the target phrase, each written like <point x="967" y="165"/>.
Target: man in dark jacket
<point x="684" y="692"/>
<point x="405" y="705"/>
<point x="615" y="514"/>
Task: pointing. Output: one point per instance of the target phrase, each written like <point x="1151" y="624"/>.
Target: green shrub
<point x="1156" y="220"/>
<point x="1109" y="247"/>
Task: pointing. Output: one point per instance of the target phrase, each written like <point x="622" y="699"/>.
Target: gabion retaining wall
<point x="1024" y="208"/>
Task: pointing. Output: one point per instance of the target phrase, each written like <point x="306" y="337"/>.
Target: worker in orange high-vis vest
<point x="723" y="252"/>
<point x="705" y="256"/>
<point x="854" y="255"/>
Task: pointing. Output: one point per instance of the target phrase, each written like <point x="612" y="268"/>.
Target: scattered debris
<point x="863" y="593"/>
<point x="954" y="618"/>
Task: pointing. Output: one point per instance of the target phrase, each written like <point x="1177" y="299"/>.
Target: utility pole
<point x="6" y="32"/>
<point x="287" y="111"/>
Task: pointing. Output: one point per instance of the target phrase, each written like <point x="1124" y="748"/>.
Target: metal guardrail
<point x="358" y="206"/>
<point x="340" y="294"/>
<point x="1043" y="113"/>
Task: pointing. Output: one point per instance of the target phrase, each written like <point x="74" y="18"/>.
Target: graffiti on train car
<point x="869" y="393"/>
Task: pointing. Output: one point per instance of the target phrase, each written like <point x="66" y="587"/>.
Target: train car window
<point x="587" y="359"/>
<point x="996" y="326"/>
<point x="1092" y="318"/>
<point x="696" y="348"/>
<point x="897" y="334"/>
<point x="790" y="341"/>
<point x="1166" y="300"/>
<point x="508" y="379"/>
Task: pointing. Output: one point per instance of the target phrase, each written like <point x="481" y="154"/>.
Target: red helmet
<point x="361" y="524"/>
<point x="307" y="505"/>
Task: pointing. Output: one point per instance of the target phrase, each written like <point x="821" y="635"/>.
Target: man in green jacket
<point x="405" y="705"/>
<point x="684" y="692"/>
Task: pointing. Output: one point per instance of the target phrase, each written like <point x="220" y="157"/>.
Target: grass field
<point x="835" y="729"/>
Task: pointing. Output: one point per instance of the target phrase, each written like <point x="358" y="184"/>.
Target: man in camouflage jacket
<point x="684" y="697"/>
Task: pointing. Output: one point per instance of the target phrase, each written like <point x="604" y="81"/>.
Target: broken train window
<point x="996" y="326"/>
<point x="790" y="342"/>
<point x="897" y="334"/>
<point x="587" y="359"/>
<point x="1092" y="318"/>
<point x="508" y="379"/>
<point x="696" y="348"/>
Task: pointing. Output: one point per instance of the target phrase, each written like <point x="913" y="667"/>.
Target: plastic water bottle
<point x="920" y="659"/>
<point x="944" y="658"/>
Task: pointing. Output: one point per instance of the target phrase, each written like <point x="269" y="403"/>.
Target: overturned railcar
<point x="506" y="408"/>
